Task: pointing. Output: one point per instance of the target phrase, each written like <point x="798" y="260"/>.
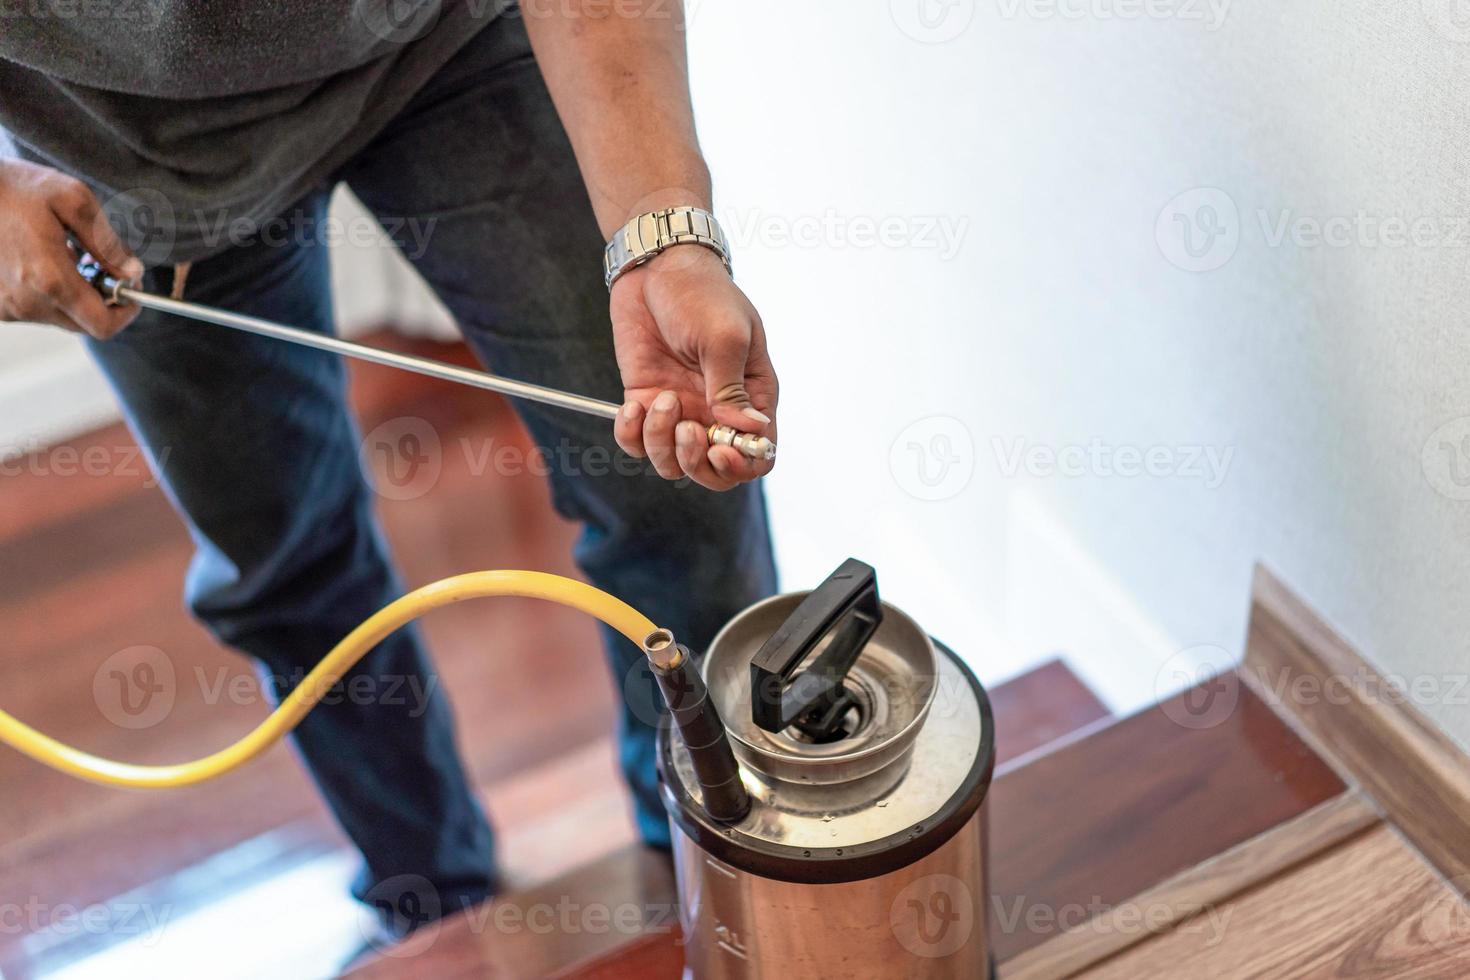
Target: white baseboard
<point x="49" y="391"/>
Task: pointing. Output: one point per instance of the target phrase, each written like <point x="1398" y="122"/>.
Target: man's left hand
<point x="692" y="351"/>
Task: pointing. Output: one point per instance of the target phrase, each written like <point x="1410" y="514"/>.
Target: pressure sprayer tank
<point x="867" y="749"/>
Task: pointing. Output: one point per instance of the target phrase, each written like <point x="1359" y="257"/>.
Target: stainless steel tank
<point x="867" y="750"/>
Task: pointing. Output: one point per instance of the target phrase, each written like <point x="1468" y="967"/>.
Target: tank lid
<point x="824" y="688"/>
<point x="803" y="830"/>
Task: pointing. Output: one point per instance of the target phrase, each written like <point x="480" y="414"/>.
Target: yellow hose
<point x="536" y="585"/>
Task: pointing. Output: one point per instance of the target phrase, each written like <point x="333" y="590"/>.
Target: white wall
<point x="1025" y="160"/>
<point x="1059" y="133"/>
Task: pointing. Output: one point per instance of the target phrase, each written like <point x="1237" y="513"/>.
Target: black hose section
<point x="725" y="796"/>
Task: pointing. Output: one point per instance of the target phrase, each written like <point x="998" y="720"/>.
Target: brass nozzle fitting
<point x="745" y="443"/>
<point x="661" y="650"/>
<point x="723" y="794"/>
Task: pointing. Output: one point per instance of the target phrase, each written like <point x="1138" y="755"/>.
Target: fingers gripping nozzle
<point x="725" y="796"/>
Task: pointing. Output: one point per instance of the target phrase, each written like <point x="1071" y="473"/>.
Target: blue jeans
<point x="262" y="456"/>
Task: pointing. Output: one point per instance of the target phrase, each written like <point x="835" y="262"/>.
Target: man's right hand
<point x="40" y="209"/>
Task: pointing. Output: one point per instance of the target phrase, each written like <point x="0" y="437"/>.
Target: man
<point x="522" y="140"/>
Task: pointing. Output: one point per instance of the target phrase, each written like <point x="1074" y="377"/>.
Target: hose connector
<point x="725" y="797"/>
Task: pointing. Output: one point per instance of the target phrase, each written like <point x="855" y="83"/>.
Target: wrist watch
<point x="649" y="234"/>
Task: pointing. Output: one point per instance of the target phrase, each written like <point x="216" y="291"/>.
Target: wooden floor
<point x="1143" y="847"/>
<point x="1226" y="852"/>
<point x="90" y="569"/>
<point x="1031" y="711"/>
<point x="91" y="565"/>
<point x="1369" y="909"/>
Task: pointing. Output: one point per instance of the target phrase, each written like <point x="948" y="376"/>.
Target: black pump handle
<point x="846" y="602"/>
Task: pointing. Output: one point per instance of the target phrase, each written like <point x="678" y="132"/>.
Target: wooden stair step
<point x="1370" y="909"/>
<point x="1040" y="707"/>
<point x="624" y="902"/>
<point x="1031" y="711"/>
<point x="1107" y="817"/>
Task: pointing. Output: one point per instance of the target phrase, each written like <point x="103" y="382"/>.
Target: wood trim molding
<point x="1196" y="890"/>
<point x="1361" y="724"/>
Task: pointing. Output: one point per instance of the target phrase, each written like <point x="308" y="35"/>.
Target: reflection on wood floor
<point x="246" y="876"/>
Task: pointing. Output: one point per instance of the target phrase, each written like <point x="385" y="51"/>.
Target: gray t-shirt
<point x="196" y="120"/>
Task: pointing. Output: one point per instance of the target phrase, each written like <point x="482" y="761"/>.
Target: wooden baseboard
<point x="1397" y="766"/>
<point x="1361" y="724"/>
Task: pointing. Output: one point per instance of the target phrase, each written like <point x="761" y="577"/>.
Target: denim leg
<point x="514" y="252"/>
<point x="254" y="444"/>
